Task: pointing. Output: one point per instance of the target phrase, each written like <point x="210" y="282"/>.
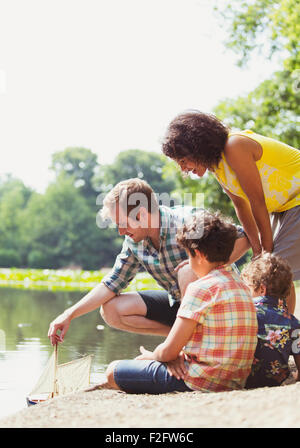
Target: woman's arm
<point x="246" y="218"/>
<point x="240" y="155"/>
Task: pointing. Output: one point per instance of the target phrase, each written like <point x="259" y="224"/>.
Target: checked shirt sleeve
<point x="195" y="304"/>
<point x="124" y="270"/>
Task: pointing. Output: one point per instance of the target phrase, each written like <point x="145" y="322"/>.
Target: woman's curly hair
<point x="197" y="136"/>
<point x="211" y="233"/>
<point x="271" y="271"/>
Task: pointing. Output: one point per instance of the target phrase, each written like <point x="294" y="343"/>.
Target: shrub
<point x="9" y="258"/>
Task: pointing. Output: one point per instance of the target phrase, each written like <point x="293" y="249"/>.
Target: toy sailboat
<point x="57" y="380"/>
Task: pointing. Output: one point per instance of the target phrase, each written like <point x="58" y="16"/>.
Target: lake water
<point x="25" y="348"/>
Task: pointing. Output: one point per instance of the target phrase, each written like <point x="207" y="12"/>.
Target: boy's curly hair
<point x="211" y="233"/>
<point x="271" y="271"/>
<point x="197" y="136"/>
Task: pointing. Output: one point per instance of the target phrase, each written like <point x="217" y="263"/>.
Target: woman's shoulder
<point x="242" y="143"/>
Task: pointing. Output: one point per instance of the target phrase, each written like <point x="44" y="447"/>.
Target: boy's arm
<point x="178" y="337"/>
<point x="297" y="362"/>
<point x="241" y="246"/>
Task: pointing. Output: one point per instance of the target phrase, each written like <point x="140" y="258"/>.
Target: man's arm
<point x="123" y="271"/>
<point x="94" y="299"/>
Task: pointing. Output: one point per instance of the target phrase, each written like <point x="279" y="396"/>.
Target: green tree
<point x="272" y="109"/>
<point x="271" y="27"/>
<point x="135" y="163"/>
<point x="14" y="196"/>
<point x="61" y="229"/>
<point x="267" y="26"/>
<point x="93" y="247"/>
<point x="80" y="164"/>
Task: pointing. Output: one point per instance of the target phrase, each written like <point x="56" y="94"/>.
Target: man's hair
<point x="197" y="136"/>
<point x="211" y="233"/>
<point x="271" y="271"/>
<point x="129" y="194"/>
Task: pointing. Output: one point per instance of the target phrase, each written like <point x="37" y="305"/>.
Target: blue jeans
<point x="146" y="377"/>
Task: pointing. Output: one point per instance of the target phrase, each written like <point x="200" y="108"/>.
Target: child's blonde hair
<point x="271" y="271"/>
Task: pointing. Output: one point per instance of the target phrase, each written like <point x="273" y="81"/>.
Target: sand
<point x="266" y="407"/>
<point x="277" y="407"/>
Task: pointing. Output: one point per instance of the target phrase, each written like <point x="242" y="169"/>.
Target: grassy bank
<point x="64" y="279"/>
<point x="68" y="279"/>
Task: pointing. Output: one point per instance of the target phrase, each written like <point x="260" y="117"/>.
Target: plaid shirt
<point x="221" y="350"/>
<point x="143" y="255"/>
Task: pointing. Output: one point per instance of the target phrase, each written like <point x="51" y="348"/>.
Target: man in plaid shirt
<point x="150" y="244"/>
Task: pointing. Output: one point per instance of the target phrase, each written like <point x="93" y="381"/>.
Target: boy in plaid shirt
<point x="212" y="342"/>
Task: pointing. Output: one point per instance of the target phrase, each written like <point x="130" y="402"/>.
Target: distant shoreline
<point x="65" y="279"/>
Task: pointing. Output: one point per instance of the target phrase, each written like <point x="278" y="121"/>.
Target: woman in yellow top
<point x="259" y="174"/>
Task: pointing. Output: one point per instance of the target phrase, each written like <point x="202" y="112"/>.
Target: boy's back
<point x="275" y="339"/>
<point x="222" y="347"/>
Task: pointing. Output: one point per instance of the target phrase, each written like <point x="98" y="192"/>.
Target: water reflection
<point x="25" y="318"/>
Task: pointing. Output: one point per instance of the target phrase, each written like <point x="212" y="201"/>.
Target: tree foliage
<point x="266" y="26"/>
<point x="271" y="27"/>
<point x="77" y="163"/>
<point x="58" y="228"/>
<point x="135" y="163"/>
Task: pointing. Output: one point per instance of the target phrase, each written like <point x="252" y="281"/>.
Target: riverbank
<point x="259" y="408"/>
<point x="265" y="407"/>
<point x="65" y="279"/>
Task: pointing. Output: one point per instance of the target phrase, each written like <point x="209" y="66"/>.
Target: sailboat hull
<point x="31" y="400"/>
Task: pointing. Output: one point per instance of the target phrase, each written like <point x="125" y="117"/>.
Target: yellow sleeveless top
<point x="279" y="169"/>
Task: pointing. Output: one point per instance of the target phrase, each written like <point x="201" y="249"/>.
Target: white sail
<point x="45" y="383"/>
<point x="65" y="378"/>
<point x="73" y="376"/>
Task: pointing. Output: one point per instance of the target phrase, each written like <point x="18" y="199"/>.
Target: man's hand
<point x="145" y="354"/>
<point x="61" y="323"/>
<point x="177" y="367"/>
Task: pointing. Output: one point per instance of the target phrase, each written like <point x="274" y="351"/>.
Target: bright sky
<point x="108" y="75"/>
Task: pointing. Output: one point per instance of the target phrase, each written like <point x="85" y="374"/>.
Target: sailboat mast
<point x="55" y="372"/>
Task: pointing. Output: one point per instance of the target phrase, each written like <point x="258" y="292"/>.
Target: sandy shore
<point x="277" y="407"/>
<point x="265" y="407"/>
